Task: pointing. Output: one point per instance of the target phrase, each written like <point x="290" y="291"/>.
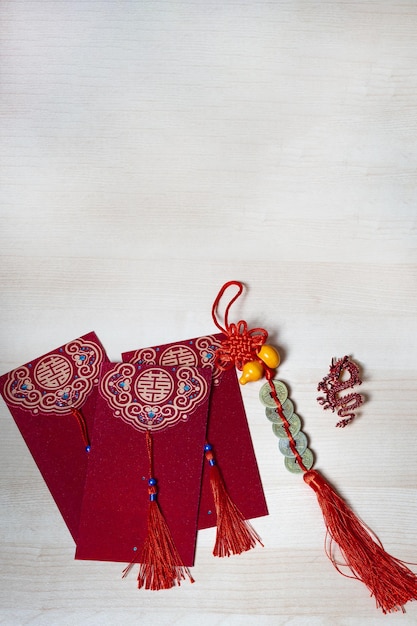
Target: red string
<point x="149" y="447"/>
<point x="216" y="303"/>
<point x="242" y="345"/>
<point x="83" y="427"/>
<point x="285" y="423"/>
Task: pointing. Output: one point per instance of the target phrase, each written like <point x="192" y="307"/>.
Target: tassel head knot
<point x="315" y="480"/>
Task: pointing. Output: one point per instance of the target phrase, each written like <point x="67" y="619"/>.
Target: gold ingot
<point x="251" y="371"/>
<point x="269" y="356"/>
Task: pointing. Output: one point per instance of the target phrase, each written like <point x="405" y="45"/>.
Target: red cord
<point x="216" y="303"/>
<point x="286" y="424"/>
<point x="83" y="427"/>
<point x="242" y="345"/>
<point x="149" y="447"/>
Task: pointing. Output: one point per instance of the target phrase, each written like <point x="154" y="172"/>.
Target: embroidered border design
<point x="58" y="381"/>
<point x="152" y="398"/>
<point x="207" y="347"/>
<point x="194" y="353"/>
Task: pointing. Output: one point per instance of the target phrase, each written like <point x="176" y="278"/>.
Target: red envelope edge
<point x="228" y="430"/>
<point x="114" y="512"/>
<point x="55" y="442"/>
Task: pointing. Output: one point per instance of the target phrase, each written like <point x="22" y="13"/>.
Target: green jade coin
<point x="273" y="415"/>
<point x="292" y="465"/>
<point x="265" y="393"/>
<point x="300" y="443"/>
<point x="295" y="427"/>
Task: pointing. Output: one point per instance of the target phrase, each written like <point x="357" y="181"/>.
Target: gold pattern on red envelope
<point x="151" y="397"/>
<point x="198" y="353"/>
<point x="58" y="381"/>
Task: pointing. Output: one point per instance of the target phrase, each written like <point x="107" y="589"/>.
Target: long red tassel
<point x="161" y="566"/>
<point x="388" y="579"/>
<point x="234" y="533"/>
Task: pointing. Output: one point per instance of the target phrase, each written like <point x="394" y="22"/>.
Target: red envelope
<point x="173" y="403"/>
<point x="40" y="395"/>
<point x="228" y="430"/>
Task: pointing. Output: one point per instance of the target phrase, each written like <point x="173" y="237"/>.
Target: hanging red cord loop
<point x="388" y="578"/>
<point x="242" y="344"/>
<point x="216" y="303"/>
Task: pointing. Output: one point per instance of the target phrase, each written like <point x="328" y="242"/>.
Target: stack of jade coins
<point x="278" y="427"/>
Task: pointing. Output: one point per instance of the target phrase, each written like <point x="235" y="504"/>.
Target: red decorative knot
<point x="241" y="346"/>
<point x="333" y="384"/>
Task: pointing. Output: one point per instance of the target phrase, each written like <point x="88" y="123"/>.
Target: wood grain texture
<point x="150" y="151"/>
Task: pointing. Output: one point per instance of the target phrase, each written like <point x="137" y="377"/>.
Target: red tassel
<point x="234" y="534"/>
<point x="161" y="566"/>
<point x="388" y="579"/>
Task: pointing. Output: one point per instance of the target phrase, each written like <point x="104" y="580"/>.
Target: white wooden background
<point x="152" y="150"/>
